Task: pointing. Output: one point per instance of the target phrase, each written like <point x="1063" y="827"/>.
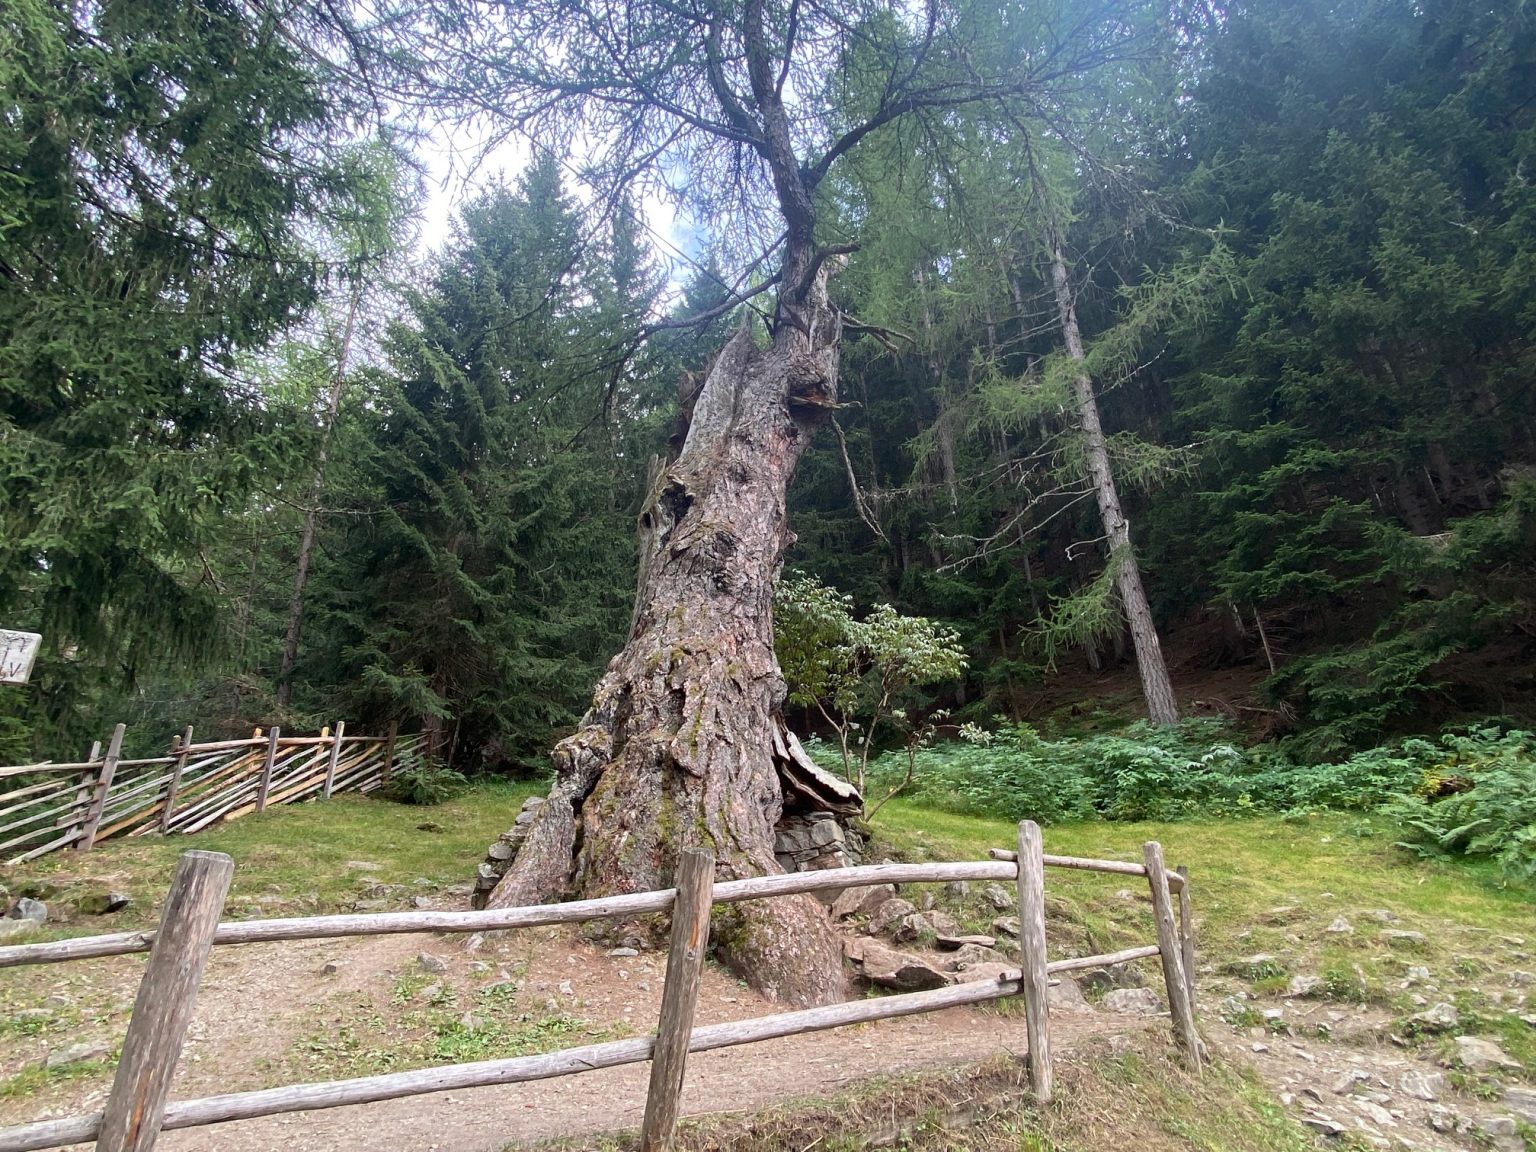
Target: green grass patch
<point x="427" y="1022"/>
<point x="1314" y="868"/>
<point x="37" y="1077"/>
<point x="316" y="857"/>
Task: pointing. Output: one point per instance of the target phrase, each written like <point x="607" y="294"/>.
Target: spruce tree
<point x="166" y="172"/>
<point x="491" y="569"/>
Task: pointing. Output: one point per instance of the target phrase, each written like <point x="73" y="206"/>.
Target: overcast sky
<point x="454" y="171"/>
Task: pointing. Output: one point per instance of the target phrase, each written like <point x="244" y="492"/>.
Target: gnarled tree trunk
<point x="677" y="750"/>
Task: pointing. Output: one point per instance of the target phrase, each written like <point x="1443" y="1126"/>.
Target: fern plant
<point x="1480" y="801"/>
<point x="423" y="783"/>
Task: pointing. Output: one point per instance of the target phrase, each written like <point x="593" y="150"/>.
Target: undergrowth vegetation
<point x="1470" y="792"/>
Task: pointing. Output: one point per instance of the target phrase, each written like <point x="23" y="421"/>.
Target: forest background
<point x="262" y="463"/>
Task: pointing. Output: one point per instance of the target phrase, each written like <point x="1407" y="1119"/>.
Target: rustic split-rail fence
<point x="49" y="806"/>
<point x="137" y="1108"/>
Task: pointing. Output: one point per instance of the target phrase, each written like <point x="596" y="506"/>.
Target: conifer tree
<point x="490" y="571"/>
<point x="166" y="173"/>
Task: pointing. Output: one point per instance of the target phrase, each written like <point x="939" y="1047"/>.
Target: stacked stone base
<point x="812" y="834"/>
<point x="499" y="856"/>
<point x="807" y="842"/>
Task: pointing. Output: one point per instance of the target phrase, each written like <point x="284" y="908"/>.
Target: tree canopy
<point x="1298" y="241"/>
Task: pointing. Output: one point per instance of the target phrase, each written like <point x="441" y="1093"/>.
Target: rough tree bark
<point x="677" y="750"/>
<point x="1162" y="707"/>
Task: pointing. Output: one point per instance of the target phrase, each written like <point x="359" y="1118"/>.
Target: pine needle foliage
<point x="166" y="174"/>
<point x="493" y="574"/>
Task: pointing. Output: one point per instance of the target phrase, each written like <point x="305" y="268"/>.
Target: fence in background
<point x="137" y="1110"/>
<point x="47" y="807"/>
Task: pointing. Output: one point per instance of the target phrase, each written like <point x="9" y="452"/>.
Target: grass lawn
<point x="293" y="859"/>
<point x="1271" y="888"/>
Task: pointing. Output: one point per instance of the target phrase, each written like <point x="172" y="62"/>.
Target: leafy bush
<point x="1480" y="800"/>
<point x="1142" y="773"/>
<point x="857" y="673"/>
<point x="424" y="783"/>
<point x="1471" y="793"/>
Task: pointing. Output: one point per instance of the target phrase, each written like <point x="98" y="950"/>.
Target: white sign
<point x="17" y="652"/>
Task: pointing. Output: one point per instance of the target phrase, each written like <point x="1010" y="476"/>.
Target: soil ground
<point x="1321" y="898"/>
<point x="260" y="1003"/>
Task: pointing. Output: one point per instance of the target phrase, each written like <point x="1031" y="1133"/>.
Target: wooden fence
<point x="137" y="1109"/>
<point x="47" y="807"/>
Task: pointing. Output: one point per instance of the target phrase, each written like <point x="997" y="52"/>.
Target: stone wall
<point x="499" y="856"/>
<point x="806" y="842"/>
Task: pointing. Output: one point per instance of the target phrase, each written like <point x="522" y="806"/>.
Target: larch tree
<point x="748" y="106"/>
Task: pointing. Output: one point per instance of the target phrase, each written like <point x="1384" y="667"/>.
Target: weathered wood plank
<point x="43" y="849"/>
<point x="183" y="754"/>
<point x="55" y="791"/>
<point x="1186" y="934"/>
<point x="46" y="766"/>
<point x="1118" y="867"/>
<point x="103" y="782"/>
<point x="1173" y="964"/>
<point x="495" y="919"/>
<point x="43" y="815"/>
<point x="126" y="790"/>
<point x="680" y="998"/>
<point x="266" y="769"/>
<point x="389" y="748"/>
<point x="131" y="1120"/>
<point x="1036" y="985"/>
<point x="1124" y="956"/>
<point x="75" y="821"/>
<point x="330" y="768"/>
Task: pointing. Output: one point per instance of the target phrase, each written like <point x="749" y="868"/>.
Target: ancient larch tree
<point x="746" y="108"/>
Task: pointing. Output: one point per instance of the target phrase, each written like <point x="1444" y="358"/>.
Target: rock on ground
<point x="1478" y="1055"/>
<point x="27" y="908"/>
<point x="1132" y="1002"/>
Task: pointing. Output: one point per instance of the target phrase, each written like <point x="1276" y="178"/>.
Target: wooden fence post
<point x="265" y="784"/>
<point x="1173" y="962"/>
<point x="74" y="819"/>
<point x="183" y="750"/>
<point x="389" y="749"/>
<point x="131" y="1120"/>
<point x="103" y="782"/>
<point x="330" y="768"/>
<point x="1036" y="982"/>
<point x="685" y="963"/>
<point x="1186" y="935"/>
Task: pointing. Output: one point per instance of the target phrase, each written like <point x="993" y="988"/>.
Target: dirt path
<point x="266" y="1010"/>
<point x="742" y="1079"/>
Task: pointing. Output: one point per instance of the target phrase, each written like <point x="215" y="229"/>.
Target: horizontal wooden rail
<point x="1082" y="864"/>
<point x="45" y="766"/>
<point x="494" y="919"/>
<point x="395" y="1085"/>
<point x="1124" y="956"/>
<point x="52" y="788"/>
<point x="136" y="1109"/>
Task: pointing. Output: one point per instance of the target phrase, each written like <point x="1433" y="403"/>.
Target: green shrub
<point x="423" y="782"/>
<point x="1477" y="799"/>
<point x="1142" y="773"/>
<point x="1469" y="793"/>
